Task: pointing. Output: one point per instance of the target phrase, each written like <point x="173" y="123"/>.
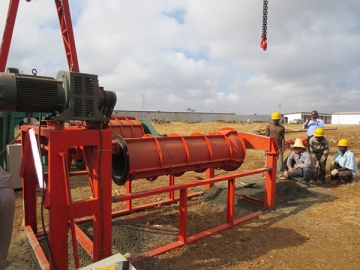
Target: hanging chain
<point x="265" y="13"/>
<point x="263" y="41"/>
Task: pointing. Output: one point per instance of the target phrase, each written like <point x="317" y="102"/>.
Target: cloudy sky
<point x="171" y="55"/>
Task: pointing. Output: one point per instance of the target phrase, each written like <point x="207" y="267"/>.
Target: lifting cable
<point x="263" y="40"/>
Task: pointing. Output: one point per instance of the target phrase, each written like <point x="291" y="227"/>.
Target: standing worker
<point x="7" y="210"/>
<point x="313" y="122"/>
<point x="276" y="130"/>
<point x="344" y="167"/>
<point x="319" y="150"/>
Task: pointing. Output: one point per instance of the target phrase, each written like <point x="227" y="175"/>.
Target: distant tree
<point x="188" y="109"/>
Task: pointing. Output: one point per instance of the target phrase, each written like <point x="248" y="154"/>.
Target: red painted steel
<point x="96" y="146"/>
<point x="252" y="141"/>
<point x="223" y="148"/>
<point x="258" y="142"/>
<point x="126" y="127"/>
<point x="8" y="32"/>
<point x="70" y="218"/>
<point x="230" y="202"/>
<point x="150" y="157"/>
<point x="183" y="237"/>
<point x="44" y="264"/>
<point x="63" y="10"/>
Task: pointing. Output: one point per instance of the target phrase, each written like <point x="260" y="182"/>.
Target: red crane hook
<point x="263" y="43"/>
<point x="263" y="40"/>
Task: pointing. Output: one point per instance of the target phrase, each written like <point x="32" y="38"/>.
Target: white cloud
<point x="210" y="60"/>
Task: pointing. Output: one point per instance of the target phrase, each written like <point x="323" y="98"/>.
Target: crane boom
<point x="63" y="11"/>
<point x="9" y="29"/>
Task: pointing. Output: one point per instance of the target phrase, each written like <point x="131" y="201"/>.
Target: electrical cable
<point x="43" y="199"/>
<point x="101" y="194"/>
<point x="101" y="189"/>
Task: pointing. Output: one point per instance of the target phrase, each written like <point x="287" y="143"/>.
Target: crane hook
<point x="263" y="43"/>
<point x="263" y="40"/>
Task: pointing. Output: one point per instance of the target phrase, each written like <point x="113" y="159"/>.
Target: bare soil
<point x="314" y="227"/>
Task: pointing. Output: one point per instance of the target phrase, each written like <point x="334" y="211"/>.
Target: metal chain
<point x="265" y="17"/>
<point x="263" y="41"/>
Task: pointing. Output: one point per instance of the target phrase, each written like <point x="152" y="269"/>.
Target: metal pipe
<point x="149" y="157"/>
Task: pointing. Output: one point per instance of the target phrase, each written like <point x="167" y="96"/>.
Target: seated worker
<point x="319" y="150"/>
<point x="300" y="163"/>
<point x="344" y="166"/>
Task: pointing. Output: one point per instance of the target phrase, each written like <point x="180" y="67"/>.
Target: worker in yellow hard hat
<point x="276" y="130"/>
<point x="319" y="150"/>
<point x="344" y="167"/>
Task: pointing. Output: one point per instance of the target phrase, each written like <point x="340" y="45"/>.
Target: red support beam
<point x="62" y="210"/>
<point x="63" y="10"/>
<point x="8" y="32"/>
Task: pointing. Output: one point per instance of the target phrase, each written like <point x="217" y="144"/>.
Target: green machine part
<point x="149" y="128"/>
<point x="8" y="123"/>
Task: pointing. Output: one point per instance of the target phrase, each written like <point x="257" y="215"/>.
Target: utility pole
<point x="143" y="102"/>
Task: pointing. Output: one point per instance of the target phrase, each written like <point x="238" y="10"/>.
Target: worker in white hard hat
<point x="344" y="167"/>
<point x="276" y="130"/>
<point x="300" y="163"/>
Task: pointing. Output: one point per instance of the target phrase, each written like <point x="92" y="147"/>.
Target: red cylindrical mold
<point x="126" y="127"/>
<point x="149" y="157"/>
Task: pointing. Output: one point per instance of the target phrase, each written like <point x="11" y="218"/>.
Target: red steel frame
<point x="96" y="148"/>
<point x="8" y="31"/>
<point x="63" y="10"/>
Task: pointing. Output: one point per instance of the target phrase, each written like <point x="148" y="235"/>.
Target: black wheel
<point x="120" y="162"/>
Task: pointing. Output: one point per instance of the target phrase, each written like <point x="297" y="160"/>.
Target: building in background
<point x="349" y="118"/>
<point x="346" y="118"/>
<point x="302" y="116"/>
<point x="193" y="117"/>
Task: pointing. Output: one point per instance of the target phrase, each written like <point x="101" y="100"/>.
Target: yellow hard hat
<point x="276" y="116"/>
<point x="319" y="132"/>
<point x="343" y="142"/>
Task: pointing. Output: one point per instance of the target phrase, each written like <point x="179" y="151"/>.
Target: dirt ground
<point x="312" y="227"/>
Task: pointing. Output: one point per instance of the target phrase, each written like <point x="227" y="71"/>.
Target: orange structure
<point x="113" y="148"/>
<point x="223" y="148"/>
<point x="63" y="11"/>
